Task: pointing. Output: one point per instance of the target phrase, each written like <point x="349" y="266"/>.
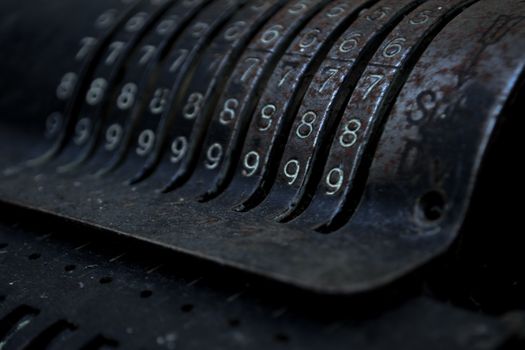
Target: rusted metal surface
<point x="365" y="110"/>
<point x="374" y="138"/>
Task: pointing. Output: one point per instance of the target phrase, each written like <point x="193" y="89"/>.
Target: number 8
<point x="306" y="127"/>
<point x="194" y="105"/>
<point x="126" y="98"/>
<point x="96" y="91"/>
<point x="228" y="113"/>
<point x="349" y="136"/>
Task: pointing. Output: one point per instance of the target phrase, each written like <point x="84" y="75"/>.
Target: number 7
<point x="331" y="74"/>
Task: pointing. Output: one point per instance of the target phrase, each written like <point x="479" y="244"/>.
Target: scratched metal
<point x="424" y="159"/>
<point x="334" y="79"/>
<point x="377" y="88"/>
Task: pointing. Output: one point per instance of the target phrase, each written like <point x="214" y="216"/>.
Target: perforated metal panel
<point x="67" y="287"/>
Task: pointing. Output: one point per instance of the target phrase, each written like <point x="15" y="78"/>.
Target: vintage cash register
<point x="260" y="174"/>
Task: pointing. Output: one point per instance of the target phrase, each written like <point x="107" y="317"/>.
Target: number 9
<point x="291" y="171"/>
<point x="251" y="163"/>
<point x="145" y="142"/>
<point x="178" y="149"/>
<point x="113" y="137"/>
<point x="334" y="180"/>
<point x="82" y="131"/>
<point x="214" y="156"/>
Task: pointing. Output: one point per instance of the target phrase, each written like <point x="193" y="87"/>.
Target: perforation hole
<point x="234" y="322"/>
<point x="281" y="338"/>
<point x="431" y="206"/>
<point x="34" y="256"/>
<point x="105" y="280"/>
<point x="146" y="294"/>
<point x="187" y="308"/>
<point x="70" y="268"/>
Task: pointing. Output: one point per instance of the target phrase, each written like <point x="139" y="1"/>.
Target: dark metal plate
<point x="426" y="130"/>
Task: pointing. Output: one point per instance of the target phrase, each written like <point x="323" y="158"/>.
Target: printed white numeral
<point x="272" y="34"/>
<point x="334" y="181"/>
<point x="235" y="31"/>
<point x="82" y="131"/>
<point x="349" y="136"/>
<point x="378" y="14"/>
<point x="145" y="142"/>
<point x="193" y="106"/>
<point x="179" y="60"/>
<point x="336" y="11"/>
<point x="115" y="49"/>
<point x="96" y="91"/>
<point x="106" y="19"/>
<point x="251" y="163"/>
<point x="267" y="113"/>
<point x="214" y="156"/>
<point x="228" y="113"/>
<point x="179" y="147"/>
<point x="252" y="62"/>
<point x="199" y="29"/>
<point x="394" y="47"/>
<point x="167" y="25"/>
<point x="148" y="51"/>
<point x="350" y="43"/>
<point x="375" y="80"/>
<point x="113" y="137"/>
<point x="332" y="72"/>
<point x="288" y="72"/>
<point x="159" y="101"/>
<point x="309" y="39"/>
<point x="306" y="127"/>
<point x="67" y="86"/>
<point x="292" y="170"/>
<point x="299" y="7"/>
<point x="86" y="45"/>
<point x="136" y="22"/>
<point x="127" y="96"/>
<point x="259" y="5"/>
<point x="421" y="18"/>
